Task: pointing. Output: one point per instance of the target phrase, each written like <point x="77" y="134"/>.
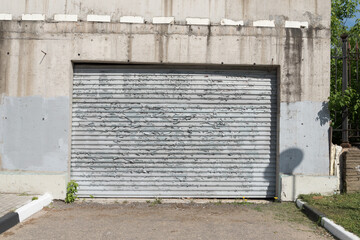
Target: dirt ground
<point x="89" y="220"/>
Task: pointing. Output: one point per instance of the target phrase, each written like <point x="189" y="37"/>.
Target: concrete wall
<point x="36" y="67"/>
<point x="317" y="12"/>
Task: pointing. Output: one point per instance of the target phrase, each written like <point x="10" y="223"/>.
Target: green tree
<point x="341" y="12"/>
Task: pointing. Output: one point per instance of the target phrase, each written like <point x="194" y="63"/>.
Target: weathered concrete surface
<point x="293" y="185"/>
<point x="34" y="133"/>
<point x="169" y="221"/>
<point x="37" y="183"/>
<point x="317" y="12"/>
<point x="302" y="54"/>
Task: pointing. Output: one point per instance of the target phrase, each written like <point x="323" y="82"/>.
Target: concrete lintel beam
<point x="33" y="17"/>
<point x="198" y="21"/>
<point x="65" y="18"/>
<point x="5" y="17"/>
<point x="264" y="23"/>
<point x="229" y="22"/>
<point x="132" y="19"/>
<point x="163" y="20"/>
<point x="98" y="18"/>
<point x="296" y="24"/>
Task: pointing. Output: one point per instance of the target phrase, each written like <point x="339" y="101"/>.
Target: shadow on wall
<point x="323" y="115"/>
<point x="290" y="159"/>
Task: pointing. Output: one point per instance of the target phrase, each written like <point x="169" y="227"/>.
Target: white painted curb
<point x="299" y="203"/>
<point x="336" y="230"/>
<point x="34" y="206"/>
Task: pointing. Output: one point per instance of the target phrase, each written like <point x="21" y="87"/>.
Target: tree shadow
<point x="324" y="114"/>
<point x="289" y="160"/>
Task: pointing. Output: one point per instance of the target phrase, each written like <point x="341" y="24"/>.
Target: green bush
<point x="71" y="191"/>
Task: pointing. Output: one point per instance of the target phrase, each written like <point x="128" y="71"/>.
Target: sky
<point x="351" y="22"/>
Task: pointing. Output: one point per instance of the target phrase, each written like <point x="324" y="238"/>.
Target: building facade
<point x="165" y="98"/>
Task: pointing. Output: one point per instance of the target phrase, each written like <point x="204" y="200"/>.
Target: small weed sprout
<point x="34" y="198"/>
<point x="91" y="196"/>
<point x="71" y="191"/>
<point x="156" y="201"/>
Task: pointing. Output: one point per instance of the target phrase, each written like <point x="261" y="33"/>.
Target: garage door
<point x="149" y="132"/>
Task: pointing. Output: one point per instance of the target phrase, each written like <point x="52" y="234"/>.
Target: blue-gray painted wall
<point x="34" y="133"/>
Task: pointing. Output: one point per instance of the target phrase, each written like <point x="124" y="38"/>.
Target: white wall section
<point x="34" y="183"/>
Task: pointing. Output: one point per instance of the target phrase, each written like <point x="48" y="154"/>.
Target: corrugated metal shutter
<point x="174" y="133"/>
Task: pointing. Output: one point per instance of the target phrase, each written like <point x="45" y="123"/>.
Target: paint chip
<point x="65" y="18"/>
<point x="264" y="23"/>
<point x="98" y="18"/>
<point x="5" y="17"/>
<point x="197" y="21"/>
<point x="33" y="17"/>
<point x="132" y="19"/>
<point x="163" y="20"/>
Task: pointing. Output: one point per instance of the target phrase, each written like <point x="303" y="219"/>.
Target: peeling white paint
<point x="264" y="23"/>
<point x="132" y="19"/>
<point x="33" y="17"/>
<point x="163" y="20"/>
<point x="98" y="18"/>
<point x="197" y="21"/>
<point x="296" y="24"/>
<point x="229" y="22"/>
<point x="5" y="16"/>
<point x="65" y="18"/>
